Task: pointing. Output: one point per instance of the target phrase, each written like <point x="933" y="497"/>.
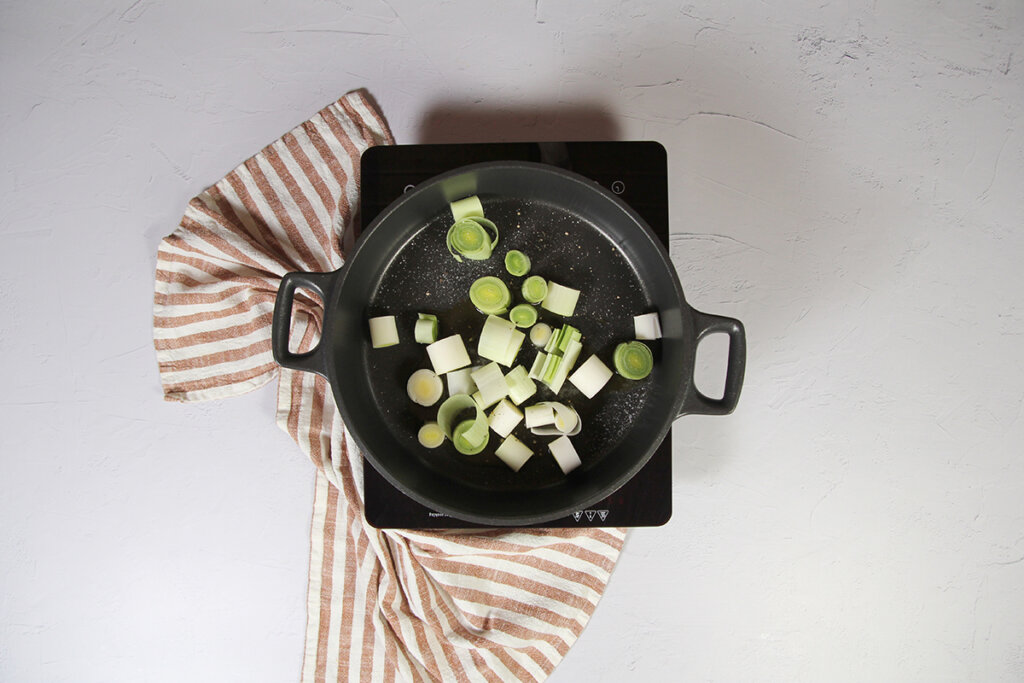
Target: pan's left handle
<point x="697" y="403"/>
<point x="280" y="331"/>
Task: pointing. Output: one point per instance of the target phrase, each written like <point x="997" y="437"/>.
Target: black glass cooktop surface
<point x="638" y="173"/>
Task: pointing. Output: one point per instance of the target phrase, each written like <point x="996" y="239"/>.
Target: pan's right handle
<point x="697" y="403"/>
<point x="280" y="331"/>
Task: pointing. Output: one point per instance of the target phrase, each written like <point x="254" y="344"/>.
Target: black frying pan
<point x="576" y="233"/>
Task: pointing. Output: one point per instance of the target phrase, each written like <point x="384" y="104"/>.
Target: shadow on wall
<point x="454" y="122"/>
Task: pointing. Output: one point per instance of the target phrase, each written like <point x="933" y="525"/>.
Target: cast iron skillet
<point x="577" y="234"/>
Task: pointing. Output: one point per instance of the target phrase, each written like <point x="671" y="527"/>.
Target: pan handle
<point x="697" y="403"/>
<point x="280" y="331"/>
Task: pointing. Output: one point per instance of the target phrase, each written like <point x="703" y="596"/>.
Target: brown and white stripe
<point x="490" y="605"/>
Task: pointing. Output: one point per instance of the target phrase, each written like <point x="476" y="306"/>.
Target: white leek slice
<point x="495" y="338"/>
<point x="430" y="435"/>
<point x="647" y="326"/>
<point x="565" y="454"/>
<point x="460" y="382"/>
<point x="591" y="376"/>
<point x="491" y="385"/>
<point x="424" y="387"/>
<point x="513" y="453"/>
<point x="539" y="414"/>
<point x="383" y="331"/>
<point x="538" y="365"/>
<point x="569" y="358"/>
<point x="448" y="354"/>
<point x="520" y="386"/>
<point x="566" y="421"/>
<point x="561" y="300"/>
<point x="504" y="418"/>
<point x="540" y="334"/>
<point x="466" y="208"/>
<point x="515" y="343"/>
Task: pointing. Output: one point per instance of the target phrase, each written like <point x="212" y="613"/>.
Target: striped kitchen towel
<point x="488" y="605"/>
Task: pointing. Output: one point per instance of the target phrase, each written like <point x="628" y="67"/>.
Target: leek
<point x="513" y="453"/>
<point x="633" y="360"/>
<point x="504" y="418"/>
<point x="560" y="300"/>
<point x="591" y="376"/>
<point x="523" y="315"/>
<point x="647" y="326"/>
<point x="448" y="354"/>
<point x="490" y="295"/>
<point x="469" y="436"/>
<point x="538" y="365"/>
<point x="520" y="386"/>
<point x="460" y="382"/>
<point x="565" y="454"/>
<point x="517" y="263"/>
<point x="563" y="420"/>
<point x="569" y="358"/>
<point x="535" y="288"/>
<point x="424" y="387"/>
<point x="430" y="435"/>
<point x="539" y="414"/>
<point x="383" y="331"/>
<point x="468" y="237"/>
<point x="469" y="207"/>
<point x="500" y="341"/>
<point x="540" y="334"/>
<point x="491" y="385"/>
<point x="425" y="330"/>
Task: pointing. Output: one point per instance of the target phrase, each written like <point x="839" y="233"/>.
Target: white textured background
<point x="846" y="179"/>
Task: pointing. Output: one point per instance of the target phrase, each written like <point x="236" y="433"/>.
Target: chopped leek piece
<point x="633" y="360"/>
<point x="490" y="383"/>
<point x="513" y="453"/>
<point x="520" y="386"/>
<point x="569" y="358"/>
<point x="430" y="435"/>
<point x="564" y="453"/>
<point x="591" y="376"/>
<point x="647" y="326"/>
<point x="566" y="421"/>
<point x="425" y="330"/>
<point x="504" y="418"/>
<point x="523" y="315"/>
<point x="469" y="238"/>
<point x="469" y="436"/>
<point x="465" y="440"/>
<point x="535" y="288"/>
<point x="540" y="333"/>
<point x="466" y="208"/>
<point x="539" y="414"/>
<point x="538" y="365"/>
<point x="383" y="331"/>
<point x="424" y="387"/>
<point x="500" y="341"/>
<point x="448" y="354"/>
<point x="490" y="295"/>
<point x="560" y="300"/>
<point x="517" y="263"/>
<point x="460" y="382"/>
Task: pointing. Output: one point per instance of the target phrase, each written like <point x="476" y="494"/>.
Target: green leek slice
<point x="466" y="208"/>
<point x="633" y="360"/>
<point x="490" y="295"/>
<point x="523" y="315"/>
<point x="517" y="263"/>
<point x="535" y="288"/>
<point x="469" y="436"/>
<point x="425" y="330"/>
<point x="468" y="237"/>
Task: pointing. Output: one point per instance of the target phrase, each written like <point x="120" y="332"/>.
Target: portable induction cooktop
<point x="635" y="171"/>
